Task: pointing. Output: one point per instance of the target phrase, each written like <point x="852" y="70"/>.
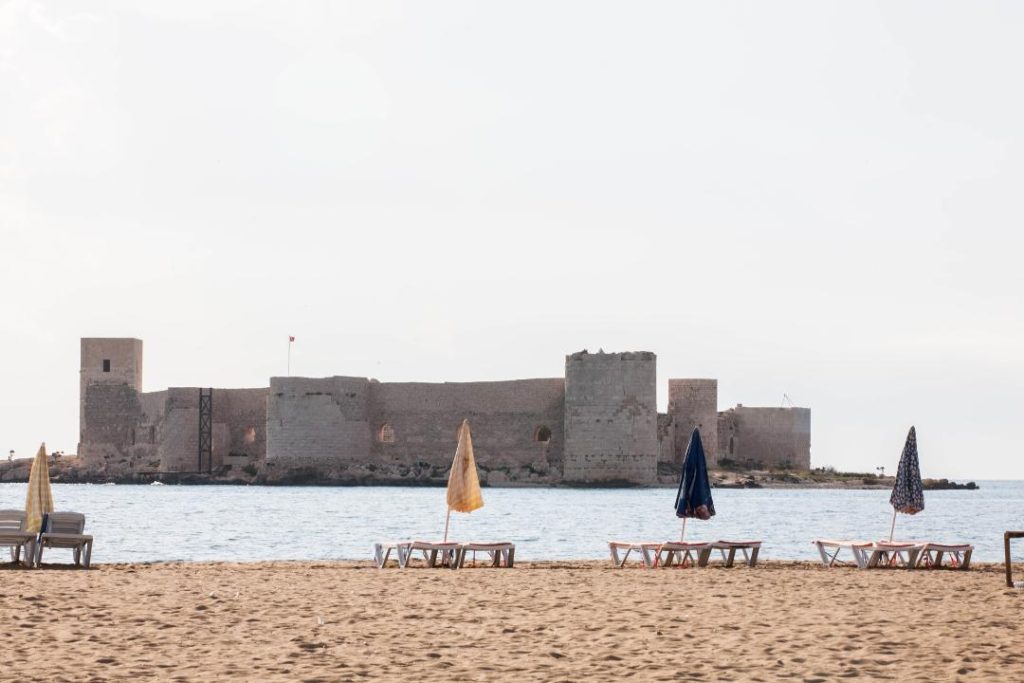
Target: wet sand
<point x="333" y="621"/>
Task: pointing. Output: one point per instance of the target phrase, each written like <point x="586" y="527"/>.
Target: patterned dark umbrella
<point x="908" y="493"/>
<point x="694" y="496"/>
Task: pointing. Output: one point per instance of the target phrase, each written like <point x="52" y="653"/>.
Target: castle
<point x="597" y="425"/>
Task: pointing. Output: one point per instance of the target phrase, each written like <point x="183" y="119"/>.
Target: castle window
<point x="386" y="433"/>
<point x="106" y="365"/>
<point x="732" y="446"/>
<point x="542" y="434"/>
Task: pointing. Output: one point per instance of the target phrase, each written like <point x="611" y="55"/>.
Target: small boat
<point x="156" y="483"/>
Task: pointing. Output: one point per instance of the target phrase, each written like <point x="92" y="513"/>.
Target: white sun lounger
<point x="499" y="554"/>
<point x="646" y="551"/>
<point x="829" y="550"/>
<point x="382" y="552"/>
<point x="683" y="554"/>
<point x="728" y="550"/>
<point x="893" y="554"/>
<point x="435" y="554"/>
<point x="14" y="536"/>
<point x="930" y="556"/>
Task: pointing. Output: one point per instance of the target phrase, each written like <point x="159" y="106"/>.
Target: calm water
<point x="161" y="523"/>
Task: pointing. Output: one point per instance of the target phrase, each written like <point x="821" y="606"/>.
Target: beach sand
<point x="334" y="621"/>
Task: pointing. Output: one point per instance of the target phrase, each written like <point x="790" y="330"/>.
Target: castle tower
<point x="694" y="403"/>
<point x="109" y="387"/>
<point x="611" y="418"/>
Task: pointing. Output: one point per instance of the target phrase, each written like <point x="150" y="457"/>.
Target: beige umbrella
<point x="39" y="500"/>
<point x="463" y="482"/>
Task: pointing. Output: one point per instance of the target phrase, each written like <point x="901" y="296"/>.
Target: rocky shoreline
<point x="69" y="470"/>
<point x="815" y="480"/>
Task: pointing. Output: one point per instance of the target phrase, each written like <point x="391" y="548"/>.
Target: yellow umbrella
<point x="39" y="500"/>
<point x="463" y="483"/>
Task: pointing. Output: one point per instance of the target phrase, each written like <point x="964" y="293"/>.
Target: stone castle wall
<point x="693" y="403"/>
<point x="316" y="424"/>
<point x="515" y="424"/>
<point x="110" y="379"/>
<point x="355" y="429"/>
<point x="598" y="425"/>
<point x="611" y="418"/>
<point x="766" y="436"/>
<point x="239" y="428"/>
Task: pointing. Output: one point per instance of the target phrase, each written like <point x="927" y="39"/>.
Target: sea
<point x="146" y="523"/>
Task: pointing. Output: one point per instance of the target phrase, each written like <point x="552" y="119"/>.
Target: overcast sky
<point x="808" y="198"/>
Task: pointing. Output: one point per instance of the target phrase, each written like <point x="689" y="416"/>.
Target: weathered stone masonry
<point x="597" y="425"/>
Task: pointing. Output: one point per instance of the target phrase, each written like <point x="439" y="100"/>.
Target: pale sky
<point x="806" y="198"/>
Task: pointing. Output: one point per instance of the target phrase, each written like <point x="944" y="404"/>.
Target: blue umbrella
<point x="694" y="496"/>
<point x="908" y="493"/>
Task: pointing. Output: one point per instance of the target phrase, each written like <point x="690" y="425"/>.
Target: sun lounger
<point x="646" y="551"/>
<point x="893" y="554"/>
<point x="499" y="554"/>
<point x="728" y="550"/>
<point x="435" y="554"/>
<point x="14" y="536"/>
<point x="682" y="554"/>
<point x="64" y="530"/>
<point x="930" y="556"/>
<point x="829" y="550"/>
<point x="382" y="552"/>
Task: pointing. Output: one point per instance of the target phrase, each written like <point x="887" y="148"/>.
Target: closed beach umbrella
<point x="694" y="496"/>
<point x="463" y="482"/>
<point x="908" y="493"/>
<point x="39" y="500"/>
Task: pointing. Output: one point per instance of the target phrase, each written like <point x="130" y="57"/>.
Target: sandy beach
<point x="333" y="621"/>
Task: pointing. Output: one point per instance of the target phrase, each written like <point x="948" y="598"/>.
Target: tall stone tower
<point x="109" y="387"/>
<point x="611" y="418"/>
<point x="694" y="403"/>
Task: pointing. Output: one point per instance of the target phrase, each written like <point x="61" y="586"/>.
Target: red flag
<point x="291" y="338"/>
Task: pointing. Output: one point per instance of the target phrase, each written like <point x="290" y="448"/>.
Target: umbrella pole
<point x="447" y="517"/>
<point x="682" y="536"/>
<point x="893" y="527"/>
